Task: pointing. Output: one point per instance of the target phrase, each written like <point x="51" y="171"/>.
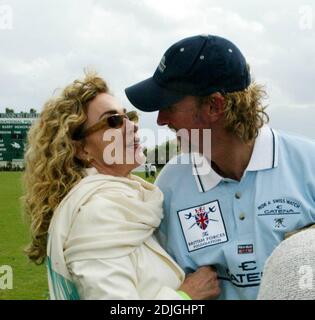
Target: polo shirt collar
<point x="264" y="156"/>
<point x="265" y="152"/>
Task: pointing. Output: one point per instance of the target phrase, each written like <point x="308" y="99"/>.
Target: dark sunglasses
<point x="114" y="121"/>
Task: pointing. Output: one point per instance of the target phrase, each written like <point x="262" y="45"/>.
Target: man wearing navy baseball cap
<point x="260" y="183"/>
<point x="197" y="66"/>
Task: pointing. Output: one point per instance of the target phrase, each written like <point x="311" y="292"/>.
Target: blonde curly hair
<point x="245" y="113"/>
<point x="52" y="168"/>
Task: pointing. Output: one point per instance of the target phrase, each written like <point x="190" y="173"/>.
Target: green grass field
<point x="29" y="280"/>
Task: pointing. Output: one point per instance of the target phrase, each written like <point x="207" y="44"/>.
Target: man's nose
<point x="163" y="118"/>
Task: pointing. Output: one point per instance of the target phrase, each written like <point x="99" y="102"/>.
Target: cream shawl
<point x="126" y="213"/>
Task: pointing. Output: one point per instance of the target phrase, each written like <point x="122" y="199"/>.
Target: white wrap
<point x="105" y="218"/>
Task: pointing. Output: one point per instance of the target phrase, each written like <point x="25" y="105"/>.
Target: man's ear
<point x="216" y="106"/>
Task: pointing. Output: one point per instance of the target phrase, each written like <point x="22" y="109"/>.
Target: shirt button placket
<point x="240" y="215"/>
<point x="238" y="195"/>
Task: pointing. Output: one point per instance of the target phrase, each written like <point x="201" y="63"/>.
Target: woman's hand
<point x="202" y="284"/>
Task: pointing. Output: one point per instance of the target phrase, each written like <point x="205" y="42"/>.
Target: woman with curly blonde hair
<point x="91" y="219"/>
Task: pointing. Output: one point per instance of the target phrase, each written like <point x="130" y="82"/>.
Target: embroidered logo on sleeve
<point x="203" y="226"/>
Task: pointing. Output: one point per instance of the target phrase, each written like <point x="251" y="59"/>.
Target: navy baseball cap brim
<point x="145" y="94"/>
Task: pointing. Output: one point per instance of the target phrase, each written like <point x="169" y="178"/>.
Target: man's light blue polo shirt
<point x="235" y="225"/>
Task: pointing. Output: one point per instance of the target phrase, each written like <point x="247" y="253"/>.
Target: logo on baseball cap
<point x="197" y="66"/>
